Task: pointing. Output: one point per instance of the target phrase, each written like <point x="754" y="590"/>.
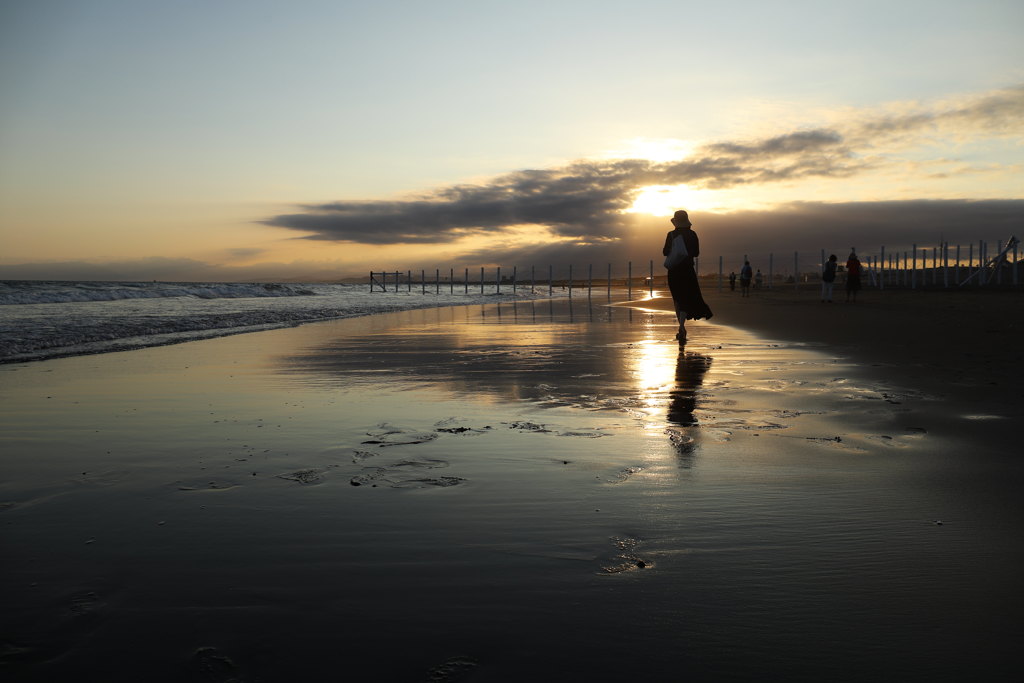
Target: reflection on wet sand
<point x="683" y="400"/>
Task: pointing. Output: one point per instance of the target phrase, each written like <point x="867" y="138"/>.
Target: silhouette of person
<point x="852" y="276"/>
<point x="828" y="278"/>
<point x="758" y="279"/>
<point x="746" y="272"/>
<point x="681" y="247"/>
<point x="683" y="398"/>
<point x="732" y="281"/>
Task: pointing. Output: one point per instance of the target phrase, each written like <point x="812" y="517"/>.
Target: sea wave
<point x="17" y="292"/>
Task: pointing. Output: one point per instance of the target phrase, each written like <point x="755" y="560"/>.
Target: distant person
<point x="732" y="281"/>
<point x="681" y="247"/>
<point x="828" y="278"/>
<point x="758" y="279"/>
<point x="852" y="276"/>
<point x="746" y="272"/>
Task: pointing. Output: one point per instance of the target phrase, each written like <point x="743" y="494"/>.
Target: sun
<point x="663" y="200"/>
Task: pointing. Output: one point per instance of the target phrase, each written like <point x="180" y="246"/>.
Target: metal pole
<point x="590" y="279"/>
<point x="497" y="280"/>
<point x="451" y="280"/>
<point x="408" y="280"/>
<point x="437" y="281"/>
<point x="466" y="281"/>
<point x="570" y="280"/>
<point x="550" y="286"/>
<point x="650" y="286"/>
<point x="609" y="282"/>
<point x="515" y="278"/>
<point x="481" y="279"/>
<point x="629" y="281"/>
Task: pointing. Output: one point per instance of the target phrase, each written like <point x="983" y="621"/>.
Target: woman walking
<point x="681" y="247"/>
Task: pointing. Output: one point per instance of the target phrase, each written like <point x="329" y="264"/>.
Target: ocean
<point x="51" y="319"/>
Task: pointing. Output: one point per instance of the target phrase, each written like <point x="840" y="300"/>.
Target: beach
<point x="527" y="491"/>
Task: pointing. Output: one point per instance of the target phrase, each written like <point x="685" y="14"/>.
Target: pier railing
<point x="941" y="266"/>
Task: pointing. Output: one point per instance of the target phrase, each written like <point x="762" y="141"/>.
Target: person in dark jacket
<point x="681" y="247"/>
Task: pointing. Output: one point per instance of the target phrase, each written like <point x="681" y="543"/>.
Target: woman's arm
<point x="693" y="245"/>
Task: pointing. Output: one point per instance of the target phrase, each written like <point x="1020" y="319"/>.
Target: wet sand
<point x="519" y="492"/>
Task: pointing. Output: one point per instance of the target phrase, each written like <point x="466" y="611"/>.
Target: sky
<point x="315" y="140"/>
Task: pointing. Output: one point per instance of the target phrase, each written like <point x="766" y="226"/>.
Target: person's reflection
<point x="690" y="371"/>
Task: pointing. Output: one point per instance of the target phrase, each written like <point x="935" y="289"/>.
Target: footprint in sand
<point x="309" y="476"/>
<point x="390" y="435"/>
<point x="406" y="475"/>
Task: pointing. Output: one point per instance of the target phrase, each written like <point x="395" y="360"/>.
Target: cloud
<point x="801" y="227"/>
<point x="587" y="198"/>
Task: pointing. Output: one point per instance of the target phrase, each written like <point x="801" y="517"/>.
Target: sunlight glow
<point x="663" y="200"/>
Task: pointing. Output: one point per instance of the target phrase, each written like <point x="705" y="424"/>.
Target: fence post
<point x="1016" y="278"/>
<point x="913" y="268"/>
<point x="881" y="269"/>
